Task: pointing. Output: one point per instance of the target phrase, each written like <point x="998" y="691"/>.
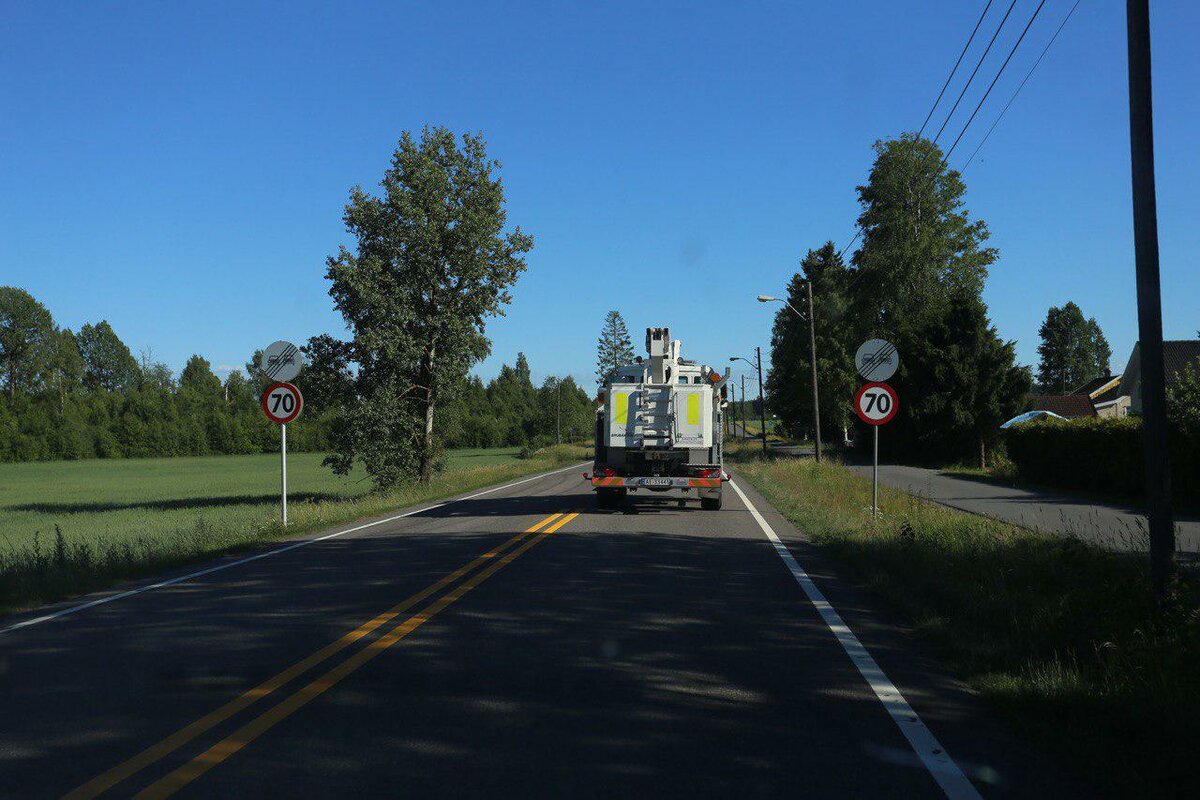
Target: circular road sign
<point x="282" y="402"/>
<point x="876" y="403"/>
<point x="281" y="361"/>
<point x="876" y="360"/>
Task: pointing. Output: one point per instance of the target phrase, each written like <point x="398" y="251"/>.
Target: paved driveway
<point x="1114" y="525"/>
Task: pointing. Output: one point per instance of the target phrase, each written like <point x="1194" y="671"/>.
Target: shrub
<point x="1099" y="455"/>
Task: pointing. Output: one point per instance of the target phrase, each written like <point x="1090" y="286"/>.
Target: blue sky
<point x="180" y="169"/>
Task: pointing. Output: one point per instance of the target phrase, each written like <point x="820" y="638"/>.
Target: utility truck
<point x="658" y="427"/>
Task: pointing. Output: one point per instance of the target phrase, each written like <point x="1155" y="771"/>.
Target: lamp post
<point x="762" y="398"/>
<point x="812" y="358"/>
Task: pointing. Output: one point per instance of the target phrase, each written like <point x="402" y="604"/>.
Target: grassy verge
<point x="1060" y="637"/>
<point x="72" y="527"/>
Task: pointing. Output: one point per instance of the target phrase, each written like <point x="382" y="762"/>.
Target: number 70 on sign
<point x="282" y="402"/>
<point x="876" y="403"/>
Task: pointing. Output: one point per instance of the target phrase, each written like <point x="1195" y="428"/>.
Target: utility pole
<point x="762" y="399"/>
<point x="812" y="356"/>
<point x="812" y="350"/>
<point x="1149" y="300"/>
<point x="744" y="435"/>
<point x="558" y="412"/>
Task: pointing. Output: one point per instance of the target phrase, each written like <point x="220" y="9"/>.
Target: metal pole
<point x="1149" y="300"/>
<point x="558" y="412"/>
<point x="875" y="477"/>
<point x="283" y="470"/>
<point x="744" y="434"/>
<point x="762" y="399"/>
<point x="812" y="350"/>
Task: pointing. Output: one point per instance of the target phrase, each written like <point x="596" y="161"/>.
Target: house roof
<point x="1065" y="405"/>
<point x="1097" y="385"/>
<point x="1177" y="354"/>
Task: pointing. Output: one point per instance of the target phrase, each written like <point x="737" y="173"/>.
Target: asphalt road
<point x="1116" y="526"/>
<point x="502" y="646"/>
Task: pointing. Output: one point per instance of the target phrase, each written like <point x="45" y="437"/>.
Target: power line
<point x="1028" y="75"/>
<point x="970" y="39"/>
<point x="1000" y="72"/>
<point x="978" y="64"/>
<point x="857" y="234"/>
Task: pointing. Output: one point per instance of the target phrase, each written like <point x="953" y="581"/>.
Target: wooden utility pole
<point x="744" y="434"/>
<point x="812" y="353"/>
<point x="1149" y="300"/>
<point x="762" y="399"/>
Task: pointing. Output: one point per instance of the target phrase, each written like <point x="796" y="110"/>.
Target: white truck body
<point x="659" y="426"/>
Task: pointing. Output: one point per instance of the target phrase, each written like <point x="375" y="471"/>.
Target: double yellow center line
<point x="243" y="736"/>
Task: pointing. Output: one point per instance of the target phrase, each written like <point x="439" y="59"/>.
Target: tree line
<point x="68" y="395"/>
<point x="917" y="280"/>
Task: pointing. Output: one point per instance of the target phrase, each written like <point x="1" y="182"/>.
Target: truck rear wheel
<point x="711" y="503"/>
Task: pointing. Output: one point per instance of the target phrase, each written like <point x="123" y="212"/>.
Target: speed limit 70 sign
<point x="876" y="403"/>
<point x="282" y="402"/>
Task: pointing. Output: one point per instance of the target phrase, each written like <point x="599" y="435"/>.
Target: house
<point x="1106" y="396"/>
<point x="1070" y="406"/>
<point x="1177" y="354"/>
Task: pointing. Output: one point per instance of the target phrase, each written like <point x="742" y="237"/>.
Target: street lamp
<point x="812" y="349"/>
<point x="762" y="398"/>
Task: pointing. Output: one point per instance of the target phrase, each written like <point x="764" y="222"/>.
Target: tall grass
<point x="73" y="551"/>
<point x="1060" y="636"/>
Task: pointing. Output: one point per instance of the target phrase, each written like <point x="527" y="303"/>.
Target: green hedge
<point x="1100" y="455"/>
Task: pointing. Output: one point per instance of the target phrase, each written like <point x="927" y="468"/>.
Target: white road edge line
<point x="303" y="543"/>
<point x="941" y="766"/>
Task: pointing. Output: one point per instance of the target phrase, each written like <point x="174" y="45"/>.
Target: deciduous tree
<point x="917" y="282"/>
<point x="27" y="339"/>
<point x="921" y="252"/>
<point x="432" y="262"/>
<point x="108" y="364"/>
<point x="1073" y="350"/>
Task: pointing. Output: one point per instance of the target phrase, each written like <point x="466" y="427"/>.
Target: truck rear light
<point x="715" y="472"/>
<point x="609" y="472"/>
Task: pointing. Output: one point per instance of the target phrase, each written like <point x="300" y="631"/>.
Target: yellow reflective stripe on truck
<point x="620" y="408"/>
<point x="693" y="409"/>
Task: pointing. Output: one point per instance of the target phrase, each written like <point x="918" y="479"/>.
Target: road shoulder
<point x="997" y="763"/>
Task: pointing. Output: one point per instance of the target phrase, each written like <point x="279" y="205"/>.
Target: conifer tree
<point x="614" y="347"/>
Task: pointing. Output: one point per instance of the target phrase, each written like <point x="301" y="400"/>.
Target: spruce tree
<point x="614" y="347"/>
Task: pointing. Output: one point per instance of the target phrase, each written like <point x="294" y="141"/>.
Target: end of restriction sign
<point x="876" y="403"/>
<point x="282" y="402"/>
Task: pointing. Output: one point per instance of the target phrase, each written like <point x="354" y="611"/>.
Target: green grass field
<point x="71" y="526"/>
<point x="115" y="500"/>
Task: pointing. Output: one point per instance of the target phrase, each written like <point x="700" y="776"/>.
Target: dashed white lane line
<point x="941" y="766"/>
<point x="304" y="543"/>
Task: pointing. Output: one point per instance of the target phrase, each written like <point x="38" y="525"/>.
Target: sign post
<point x="876" y="402"/>
<point x="281" y="402"/>
<point x="283" y="469"/>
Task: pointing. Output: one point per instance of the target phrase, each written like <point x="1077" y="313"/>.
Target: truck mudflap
<point x="655" y="482"/>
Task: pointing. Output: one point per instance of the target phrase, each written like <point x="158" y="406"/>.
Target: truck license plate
<point x="656" y="481"/>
